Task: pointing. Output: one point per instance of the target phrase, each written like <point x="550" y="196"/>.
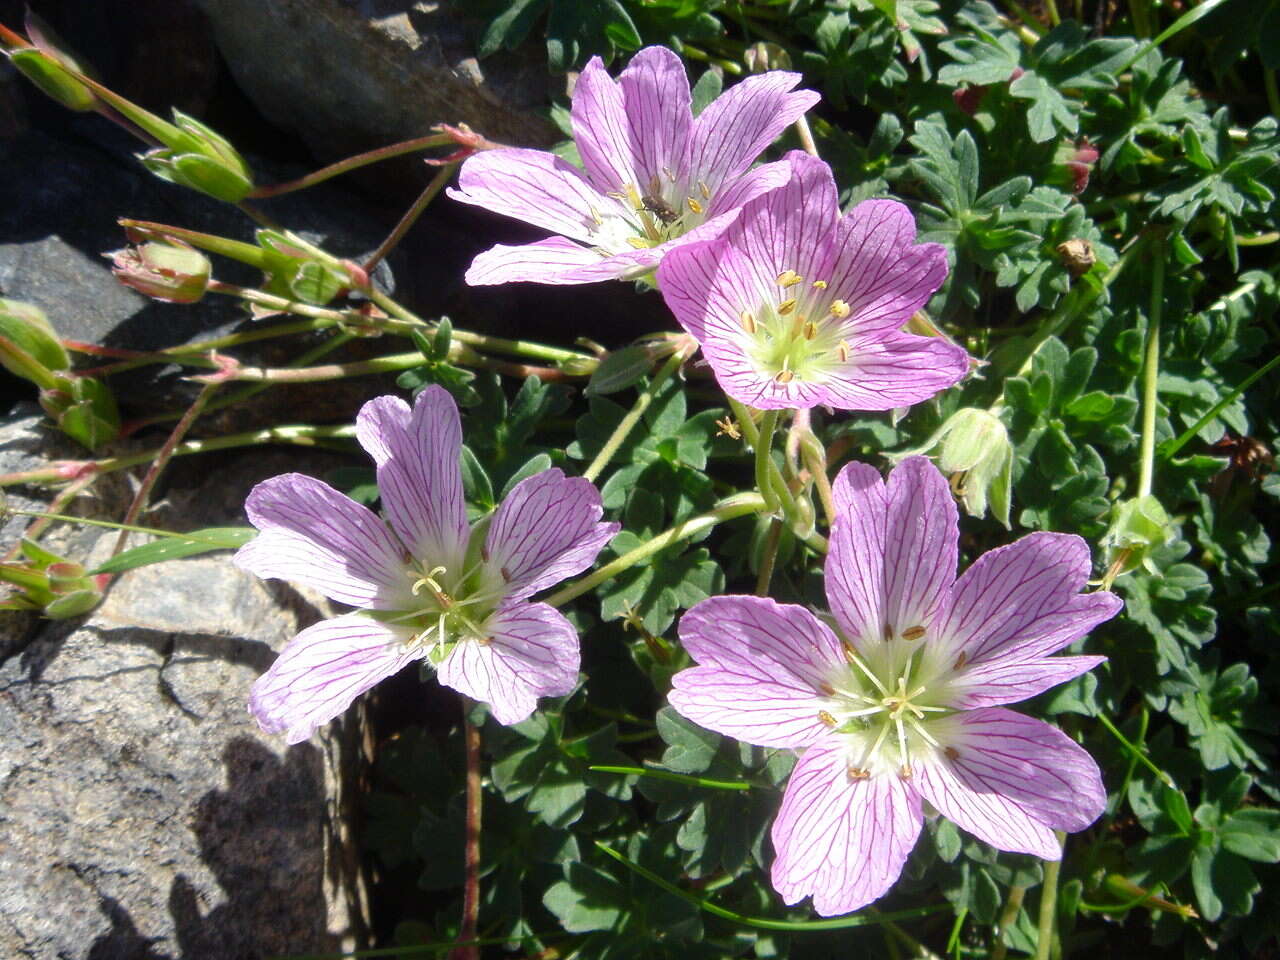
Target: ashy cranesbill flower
<point x="428" y="586"/>
<point x="796" y="306"/>
<point x="901" y="700"/>
<point x="653" y="176"/>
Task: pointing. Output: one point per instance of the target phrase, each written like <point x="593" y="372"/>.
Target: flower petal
<point x="1007" y="772"/>
<point x="892" y="369"/>
<point x="418" y="453"/>
<point x="532" y="652"/>
<point x="919" y="520"/>
<point x="707" y="286"/>
<point x="655" y="91"/>
<point x="533" y="186"/>
<point x="761" y="667"/>
<point x="557" y="260"/>
<point x="843" y="841"/>
<point x="600" y="128"/>
<point x="1023" y="601"/>
<point x="547" y="529"/>
<point x="323" y="669"/>
<point x="790" y="228"/>
<point x="313" y="535"/>
<point x="993" y="682"/>
<point x="736" y="127"/>
<point x="879" y="269"/>
<point x="854" y="572"/>
<point x="743" y="189"/>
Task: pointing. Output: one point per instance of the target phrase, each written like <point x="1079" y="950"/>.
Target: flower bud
<point x="973" y="449"/>
<point x="29" y="346"/>
<point x="1138" y="527"/>
<point x="196" y="156"/>
<point x="1072" y="164"/>
<point x="44" y="581"/>
<point x="169" y="271"/>
<point x="83" y="408"/>
<point x="53" y="79"/>
<point x="762" y="57"/>
<point x="298" y="271"/>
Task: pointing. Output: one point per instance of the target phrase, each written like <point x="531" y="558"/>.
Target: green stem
<point x="1025" y="16"/>
<point x="806" y="136"/>
<point x="769" y="556"/>
<point x="1184" y="21"/>
<point x="1133" y="751"/>
<point x="675" y="777"/>
<point x="1170" y="447"/>
<point x="1143" y="721"/>
<point x="411" y="215"/>
<point x="1051" y="7"/>
<point x="764" y="461"/>
<point x="815" y="459"/>
<point x="471" y="848"/>
<point x="731" y="508"/>
<point x="1008" y="917"/>
<point x="1048" y="904"/>
<point x="161" y="461"/>
<point x="112" y="525"/>
<point x="1151" y="376"/>
<point x="628" y="422"/>
<point x="353" y="163"/>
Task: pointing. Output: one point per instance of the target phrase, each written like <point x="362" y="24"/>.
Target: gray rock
<point x="348" y="75"/>
<point x="142" y="813"/>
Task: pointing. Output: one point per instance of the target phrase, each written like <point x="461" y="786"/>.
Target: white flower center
<point x="797" y="331"/>
<point x="662" y="212"/>
<point x="451" y="608"/>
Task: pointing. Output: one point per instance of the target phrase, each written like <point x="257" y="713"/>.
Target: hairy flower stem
<point x="764" y="460"/>
<point x="471" y="852"/>
<point x="1170" y="447"/>
<point x="161" y="461"/>
<point x="353" y="163"/>
<point x="443" y="176"/>
<point x="769" y="556"/>
<point x="730" y="508"/>
<point x="627" y="423"/>
<point x="806" y="136"/>
<point x="1008" y="917"/>
<point x="815" y="460"/>
<point x="458" y="353"/>
<point x="1136" y="752"/>
<point x="1049" y="904"/>
<point x="1151" y="375"/>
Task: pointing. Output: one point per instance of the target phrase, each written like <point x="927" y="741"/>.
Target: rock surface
<point x="143" y="816"/>
<point x="349" y="75"/>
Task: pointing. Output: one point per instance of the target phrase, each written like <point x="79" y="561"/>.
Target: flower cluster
<point x="897" y="702"/>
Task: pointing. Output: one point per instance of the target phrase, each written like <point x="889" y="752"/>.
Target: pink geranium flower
<point x="653" y="176"/>
<point x="901" y="700"/>
<point x="796" y="306"/>
<point x="429" y="587"/>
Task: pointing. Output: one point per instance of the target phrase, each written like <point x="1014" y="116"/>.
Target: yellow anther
<point x="789" y="278"/>
<point x="595" y="215"/>
<point x="913" y="633"/>
<point x="748" y="321"/>
<point x="704" y="190"/>
<point x="827" y="688"/>
<point x="859" y="773"/>
<point x="840" y="309"/>
<point x="640" y="243"/>
<point x="728" y="428"/>
<point x="670" y="176"/>
<point x="905" y="771"/>
<point x="961" y="660"/>
<point x="483" y="640"/>
<point x="820" y="284"/>
<point x="694" y="205"/>
<point x="633" y="196"/>
<point x="784" y="376"/>
<point x="826" y="718"/>
<point x="810" y="329"/>
<point x="850" y="654"/>
<point x="843" y="350"/>
<point x="786" y="306"/>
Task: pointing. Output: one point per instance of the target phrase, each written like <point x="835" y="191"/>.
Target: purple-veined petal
<point x="843" y="841"/>
<point x="993" y="682"/>
<point x="1036" y="766"/>
<point x="708" y="286"/>
<point x="532" y="652"/>
<point x="761" y="669"/>
<point x="418" y="453"/>
<point x="313" y="535"/>
<point x="921" y="536"/>
<point x="547" y="529"/>
<point x="557" y="260"/>
<point x="878" y="268"/>
<point x="1023" y="601"/>
<point x="854" y="572"/>
<point x="533" y="186"/>
<point x="323" y="669"/>
<point x="736" y="127"/>
<point x="655" y="91"/>
<point x="791" y="228"/>
<point x="893" y="369"/>
<point x="742" y="190"/>
<point x="600" y="128"/>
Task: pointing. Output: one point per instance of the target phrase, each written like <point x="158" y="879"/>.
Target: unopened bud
<point x="84" y="409"/>
<point x="1138" y="528"/>
<point x="173" y="272"/>
<point x="53" y="79"/>
<point x="298" y="271"/>
<point x="762" y="57"/>
<point x="972" y="448"/>
<point x="29" y="346"/>
<point x="198" y="157"/>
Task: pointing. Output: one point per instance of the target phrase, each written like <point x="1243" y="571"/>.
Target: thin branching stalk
<point x="628" y="422"/>
<point x="1151" y="375"/>
<point x="471" y="852"/>
<point x="443" y="175"/>
<point x="1049" y="904"/>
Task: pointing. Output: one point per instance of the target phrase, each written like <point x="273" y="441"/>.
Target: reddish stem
<point x="471" y="888"/>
